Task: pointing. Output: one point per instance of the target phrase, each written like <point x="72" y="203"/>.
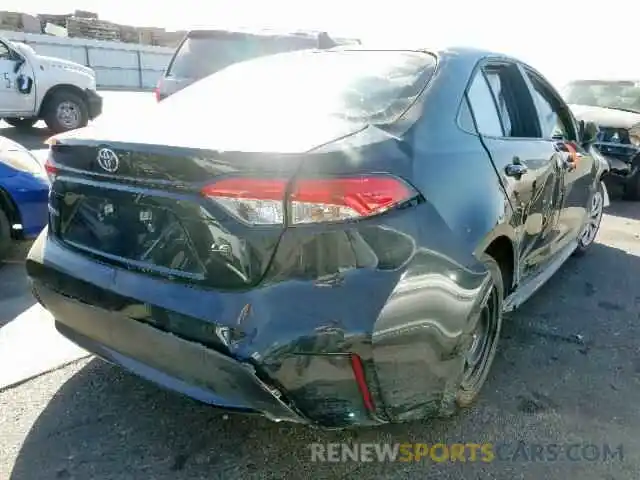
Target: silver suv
<point x="203" y="52"/>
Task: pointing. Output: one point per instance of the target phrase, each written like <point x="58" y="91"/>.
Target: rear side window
<point x="512" y="102"/>
<point x="555" y="123"/>
<point x="498" y="82"/>
<point x="484" y="108"/>
<point x="202" y="54"/>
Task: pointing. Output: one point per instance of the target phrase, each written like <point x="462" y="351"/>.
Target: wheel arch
<point x="502" y="251"/>
<point x="501" y="244"/>
<point x="63" y="87"/>
<point x="10" y="208"/>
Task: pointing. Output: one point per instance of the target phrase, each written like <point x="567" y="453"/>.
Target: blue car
<point x="24" y="190"/>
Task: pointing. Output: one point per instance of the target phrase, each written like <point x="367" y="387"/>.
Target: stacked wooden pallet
<point x="85" y="14"/>
<point x="10" y="21"/>
<point x="83" y="24"/>
<point x="59" y="20"/>
<point x="159" y="36"/>
<point x="168" y="39"/>
<point x="146" y="35"/>
<point x="128" y="34"/>
<point x="92" y="28"/>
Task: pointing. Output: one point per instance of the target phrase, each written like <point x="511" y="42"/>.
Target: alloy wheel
<point x="592" y="225"/>
<point x="478" y="356"/>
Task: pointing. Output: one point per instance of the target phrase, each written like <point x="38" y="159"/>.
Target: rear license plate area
<point x="125" y="226"/>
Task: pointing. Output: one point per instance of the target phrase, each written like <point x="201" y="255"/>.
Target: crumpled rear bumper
<point x="163" y="358"/>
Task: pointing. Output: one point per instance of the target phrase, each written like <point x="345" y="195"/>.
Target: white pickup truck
<point x="34" y="87"/>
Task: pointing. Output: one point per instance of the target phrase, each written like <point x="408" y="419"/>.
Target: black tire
<point x="21" y="123"/>
<point x="474" y="376"/>
<point x="58" y="100"/>
<point x="632" y="188"/>
<point x="584" y="242"/>
<point x="5" y="235"/>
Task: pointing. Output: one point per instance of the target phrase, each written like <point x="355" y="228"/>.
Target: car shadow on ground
<point x="625" y="209"/>
<point x="566" y="364"/>
<point x="15" y="294"/>
<point x="30" y="138"/>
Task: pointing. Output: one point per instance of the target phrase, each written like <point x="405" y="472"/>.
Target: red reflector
<point x="51" y="169"/>
<point x="158" y="90"/>
<point x="361" y="380"/>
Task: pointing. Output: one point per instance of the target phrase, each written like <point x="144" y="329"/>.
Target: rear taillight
<point x="157" y="90"/>
<point x="263" y="201"/>
<point x="50" y="168"/>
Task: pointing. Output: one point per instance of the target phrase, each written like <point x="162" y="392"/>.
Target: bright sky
<point x="562" y="38"/>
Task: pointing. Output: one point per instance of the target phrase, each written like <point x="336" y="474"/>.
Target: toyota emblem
<point x="108" y="160"/>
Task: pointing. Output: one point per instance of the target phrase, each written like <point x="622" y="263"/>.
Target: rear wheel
<point x="21" y="123"/>
<point x="65" y="111"/>
<point x="5" y="235"/>
<point x="483" y="341"/>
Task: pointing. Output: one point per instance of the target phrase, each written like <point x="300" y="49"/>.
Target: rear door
<point x="558" y="130"/>
<point x="506" y="118"/>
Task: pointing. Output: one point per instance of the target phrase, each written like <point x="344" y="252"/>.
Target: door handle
<point x="516" y="168"/>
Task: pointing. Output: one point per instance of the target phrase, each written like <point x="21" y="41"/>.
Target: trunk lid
<point x="141" y="207"/>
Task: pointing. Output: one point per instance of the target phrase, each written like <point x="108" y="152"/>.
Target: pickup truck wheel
<point x="5" y="235"/>
<point x="65" y="111"/>
<point x="21" y="123"/>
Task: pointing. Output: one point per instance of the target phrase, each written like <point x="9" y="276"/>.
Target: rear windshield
<point x="202" y="54"/>
<point x="354" y="85"/>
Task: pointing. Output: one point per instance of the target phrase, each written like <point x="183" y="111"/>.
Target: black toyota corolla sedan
<point x="334" y="243"/>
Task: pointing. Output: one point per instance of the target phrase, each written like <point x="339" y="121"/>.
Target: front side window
<point x="554" y="123"/>
<point x="495" y="79"/>
<point x="362" y="86"/>
<point x="5" y="53"/>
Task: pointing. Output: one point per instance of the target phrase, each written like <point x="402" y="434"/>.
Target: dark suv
<point x="203" y="52"/>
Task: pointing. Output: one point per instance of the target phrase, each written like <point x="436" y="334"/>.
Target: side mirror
<point x="25" y="84"/>
<point x="588" y="132"/>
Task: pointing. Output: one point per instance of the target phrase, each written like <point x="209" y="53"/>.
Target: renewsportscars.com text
<point x="466" y="452"/>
